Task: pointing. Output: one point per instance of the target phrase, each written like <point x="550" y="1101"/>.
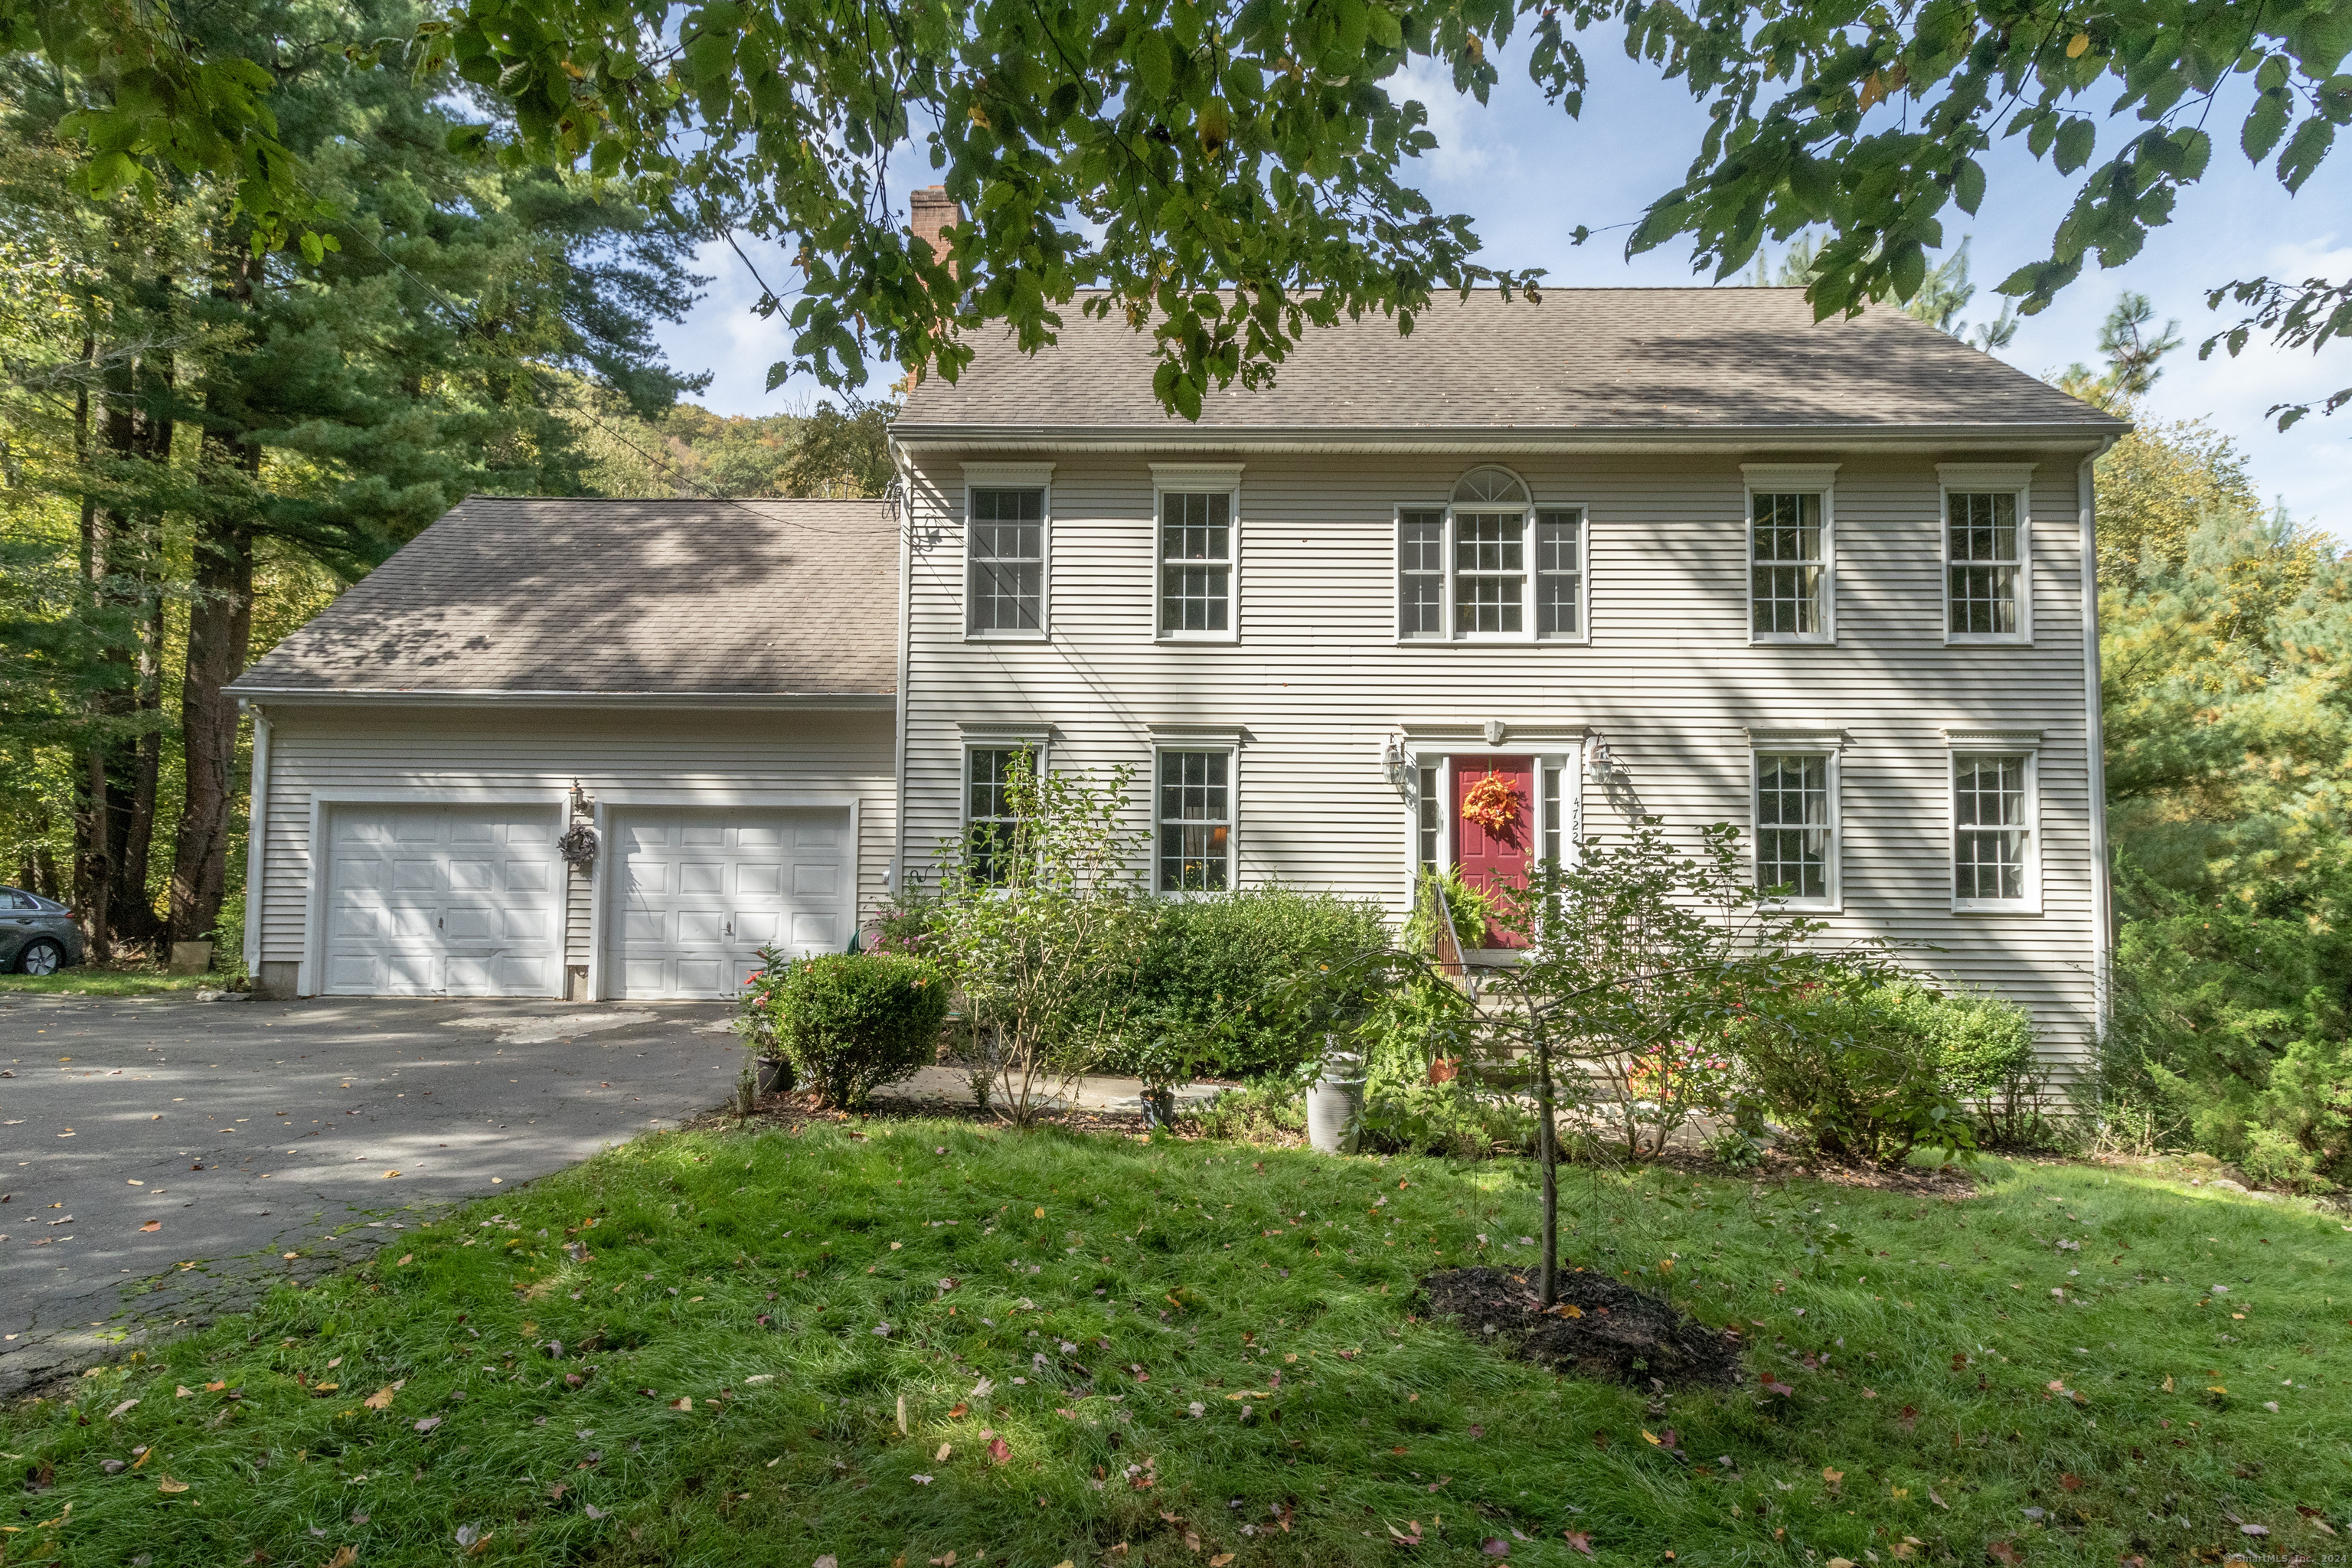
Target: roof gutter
<point x="484" y="696"/>
<point x="1498" y="440"/>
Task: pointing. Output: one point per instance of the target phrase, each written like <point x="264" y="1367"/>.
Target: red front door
<point x="1494" y="857"/>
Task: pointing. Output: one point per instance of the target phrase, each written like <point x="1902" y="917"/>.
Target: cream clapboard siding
<point x="1317" y="679"/>
<point x="346" y="749"/>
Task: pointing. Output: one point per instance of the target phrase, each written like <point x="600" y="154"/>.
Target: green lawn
<point x="93" y="980"/>
<point x="1007" y="1297"/>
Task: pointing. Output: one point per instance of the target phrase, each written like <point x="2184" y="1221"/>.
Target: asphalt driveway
<point x="162" y="1157"/>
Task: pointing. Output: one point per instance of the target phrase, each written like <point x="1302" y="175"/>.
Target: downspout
<point x="257" y="832"/>
<point x="906" y="520"/>
<point x="2103" y="937"/>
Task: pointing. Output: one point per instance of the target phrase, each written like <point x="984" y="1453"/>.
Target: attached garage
<point x="697" y="893"/>
<point x="697" y="699"/>
<point x="428" y="899"/>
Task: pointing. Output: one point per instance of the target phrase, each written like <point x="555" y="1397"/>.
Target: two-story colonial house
<point x="1675" y="552"/>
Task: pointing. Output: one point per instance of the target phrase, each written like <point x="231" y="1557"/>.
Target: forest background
<point x="202" y="441"/>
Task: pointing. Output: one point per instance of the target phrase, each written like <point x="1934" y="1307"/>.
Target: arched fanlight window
<point x="1490" y="485"/>
<point x="1489" y="565"/>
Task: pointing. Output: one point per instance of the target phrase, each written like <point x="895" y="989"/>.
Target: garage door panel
<point x="441" y="901"/>
<point x="702" y="890"/>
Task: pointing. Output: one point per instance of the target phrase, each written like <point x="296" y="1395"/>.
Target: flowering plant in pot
<point x="769" y="1069"/>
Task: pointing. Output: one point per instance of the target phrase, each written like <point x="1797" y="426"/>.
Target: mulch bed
<point x="1601" y="1329"/>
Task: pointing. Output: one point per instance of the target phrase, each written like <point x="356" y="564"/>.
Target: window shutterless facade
<point x="1796" y="825"/>
<point x="990" y="826"/>
<point x="1996" y="838"/>
<point x="1197" y="552"/>
<point x="1988" y="552"/>
<point x="1490" y="567"/>
<point x="1792" y="554"/>
<point x="1193" y="812"/>
<point x="1007" y="550"/>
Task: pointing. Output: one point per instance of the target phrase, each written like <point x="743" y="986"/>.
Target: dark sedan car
<point x="38" y="935"/>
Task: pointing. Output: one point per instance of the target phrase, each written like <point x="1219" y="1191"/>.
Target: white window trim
<point x="981" y="737"/>
<point x="1194" y="479"/>
<point x="1012" y="476"/>
<point x="1977" y="478"/>
<point x="1584" y="572"/>
<point x="1963" y="742"/>
<point x="1177" y="738"/>
<point x="1829" y="743"/>
<point x="1791" y="479"/>
<point x="1449" y="561"/>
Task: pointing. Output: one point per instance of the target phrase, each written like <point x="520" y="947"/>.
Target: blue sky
<point x="1528" y="175"/>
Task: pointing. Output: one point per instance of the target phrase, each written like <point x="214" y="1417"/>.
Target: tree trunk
<point x="1548" y="1159"/>
<point x="220" y="634"/>
<point x="90" y="824"/>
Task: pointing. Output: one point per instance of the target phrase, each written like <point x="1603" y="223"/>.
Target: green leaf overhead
<point x="1227" y="174"/>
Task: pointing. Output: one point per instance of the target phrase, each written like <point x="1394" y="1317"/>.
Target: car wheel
<point x="41" y="956"/>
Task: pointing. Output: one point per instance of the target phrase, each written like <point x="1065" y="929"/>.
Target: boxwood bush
<point x="850" y="1023"/>
<point x="1198" y="1003"/>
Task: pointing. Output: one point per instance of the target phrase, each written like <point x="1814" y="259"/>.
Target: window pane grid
<point x="1195" y="821"/>
<point x="1421" y="568"/>
<point x="1552" y="815"/>
<point x="989" y="825"/>
<point x="1431" y="820"/>
<point x="1786" y="575"/>
<point x="1559" y="575"/>
<point x="1489" y="572"/>
<point x="1984" y="569"/>
<point x="1988" y="848"/>
<point x="1196" y="562"/>
<point x="1007" y="542"/>
<point x="1792" y="825"/>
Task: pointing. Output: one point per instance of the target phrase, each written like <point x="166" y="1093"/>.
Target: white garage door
<point x="434" y="901"/>
<point x="701" y="892"/>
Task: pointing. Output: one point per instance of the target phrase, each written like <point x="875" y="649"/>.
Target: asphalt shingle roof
<point x="1597" y="360"/>
<point x="592" y="597"/>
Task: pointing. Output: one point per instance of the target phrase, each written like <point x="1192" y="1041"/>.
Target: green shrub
<point x="1983" y="1044"/>
<point x="1202" y="999"/>
<point x="1856" y="1067"/>
<point x="1266" y="1110"/>
<point x="850" y="1023"/>
<point x="2236" y="1026"/>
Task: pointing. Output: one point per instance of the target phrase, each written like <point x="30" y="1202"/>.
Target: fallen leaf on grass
<point x="827" y="1561"/>
<point x="405" y="1259"/>
<point x="382" y="1398"/>
<point x="921" y="1481"/>
<point x="2072" y="1482"/>
<point x="1191" y="1541"/>
<point x="593" y="1512"/>
<point x="2001" y="1551"/>
<point x="168" y="1485"/>
<point x="1495" y="1546"/>
<point x="686" y="1402"/>
<point x="429" y="1423"/>
<point x="120" y="1408"/>
<point x="1909" y="1419"/>
<point x="1839" y="1563"/>
<point x="961" y="1411"/>
<point x="1939" y="1502"/>
<point x="1000" y="1450"/>
<point x="1402" y="1539"/>
<point x="1220" y="1559"/>
<point x="2253" y="1530"/>
<point x="344" y="1557"/>
<point x="1579" y="1538"/>
<point x="184" y="1392"/>
<point x="2318" y="1523"/>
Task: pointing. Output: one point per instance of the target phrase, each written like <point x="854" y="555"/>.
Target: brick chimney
<point x="929" y="210"/>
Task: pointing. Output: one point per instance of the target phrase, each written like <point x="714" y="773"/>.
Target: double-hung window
<point x="1796" y="820"/>
<point x="1198" y="550"/>
<point x="1996" y="849"/>
<point x="1006" y="538"/>
<point x="1792" y="554"/>
<point x="991" y="818"/>
<point x="1490" y="567"/>
<point x="1988" y="553"/>
<point x="1193" y="815"/>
